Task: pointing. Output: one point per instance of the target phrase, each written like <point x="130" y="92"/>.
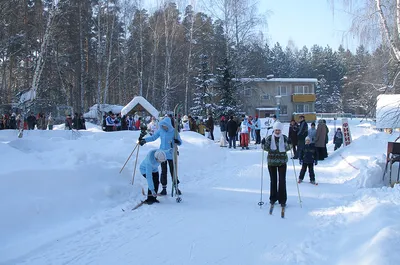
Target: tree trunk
<point x="82" y="59"/>
<point x="109" y="61"/>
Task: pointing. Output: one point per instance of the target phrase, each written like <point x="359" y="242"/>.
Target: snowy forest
<point x="79" y="53"/>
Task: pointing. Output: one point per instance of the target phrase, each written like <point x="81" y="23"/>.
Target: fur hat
<point x="278" y="126"/>
<point x="160" y="156"/>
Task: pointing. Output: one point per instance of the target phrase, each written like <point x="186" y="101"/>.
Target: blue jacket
<point x="148" y="166"/>
<point x="312" y="133"/>
<point x="166" y="137"/>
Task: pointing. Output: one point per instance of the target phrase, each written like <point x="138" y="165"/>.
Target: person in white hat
<point x="277" y="145"/>
<point x="149" y="170"/>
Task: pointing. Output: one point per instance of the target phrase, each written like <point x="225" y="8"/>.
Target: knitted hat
<point x="160" y="156"/>
<point x="308" y="139"/>
<point x="278" y="126"/>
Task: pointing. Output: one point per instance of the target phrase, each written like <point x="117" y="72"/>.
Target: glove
<point x="316" y="162"/>
<point x="263" y="141"/>
<point x="177" y="141"/>
<point x="301" y="162"/>
<point x="153" y="193"/>
<point x="142" y="142"/>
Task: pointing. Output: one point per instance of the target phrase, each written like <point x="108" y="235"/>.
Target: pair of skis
<point x="175" y="156"/>
<point x="271" y="209"/>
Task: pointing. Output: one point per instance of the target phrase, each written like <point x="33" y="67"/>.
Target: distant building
<point x="296" y="97"/>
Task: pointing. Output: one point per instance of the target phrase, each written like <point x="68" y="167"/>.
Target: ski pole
<point x="128" y="158"/>
<point x="261" y="203"/>
<point x="295" y="178"/>
<point x="134" y="169"/>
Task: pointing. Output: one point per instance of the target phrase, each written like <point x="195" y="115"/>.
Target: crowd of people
<point x="31" y="122"/>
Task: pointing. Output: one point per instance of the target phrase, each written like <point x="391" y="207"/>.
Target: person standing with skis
<point x="149" y="170"/>
<point x="277" y="145"/>
<point x="308" y="157"/>
<point x="166" y="134"/>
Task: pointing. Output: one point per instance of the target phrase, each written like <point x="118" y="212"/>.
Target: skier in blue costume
<point x="166" y="133"/>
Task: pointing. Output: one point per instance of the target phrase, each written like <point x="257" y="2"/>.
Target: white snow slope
<point x="61" y="197"/>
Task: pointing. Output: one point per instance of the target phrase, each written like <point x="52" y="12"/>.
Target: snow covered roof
<point x="388" y="111"/>
<point x="92" y="113"/>
<point x="142" y="102"/>
<point x="27" y="96"/>
<point x="266" y="108"/>
<point x="283" y="80"/>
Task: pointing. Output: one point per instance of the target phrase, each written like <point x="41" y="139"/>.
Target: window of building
<point x="283" y="110"/>
<point x="247" y="92"/>
<point x="282" y="91"/>
<point x="265" y="97"/>
<point x="302" y="108"/>
<point x="302" y="90"/>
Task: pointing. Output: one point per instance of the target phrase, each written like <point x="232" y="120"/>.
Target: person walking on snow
<point x="166" y="133"/>
<point x="277" y="145"/>
<point x="149" y="170"/>
<point x="308" y="157"/>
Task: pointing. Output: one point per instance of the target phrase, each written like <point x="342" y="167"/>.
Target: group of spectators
<point x="77" y="122"/>
<point x="13" y="121"/>
<point x="318" y="137"/>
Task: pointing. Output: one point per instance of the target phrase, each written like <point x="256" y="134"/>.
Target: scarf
<point x="281" y="142"/>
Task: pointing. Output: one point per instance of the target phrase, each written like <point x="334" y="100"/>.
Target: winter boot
<point x="164" y="191"/>
<point x="151" y="200"/>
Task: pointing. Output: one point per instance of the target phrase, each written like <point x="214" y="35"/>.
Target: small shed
<point x="388" y="111"/>
<point x="139" y="104"/>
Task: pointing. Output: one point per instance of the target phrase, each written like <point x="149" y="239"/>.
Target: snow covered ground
<point x="61" y="197"/>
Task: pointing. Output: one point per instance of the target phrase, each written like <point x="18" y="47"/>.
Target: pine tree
<point x="229" y="98"/>
<point x="202" y="100"/>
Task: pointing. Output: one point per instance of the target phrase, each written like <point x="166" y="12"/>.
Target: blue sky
<point x="307" y="22"/>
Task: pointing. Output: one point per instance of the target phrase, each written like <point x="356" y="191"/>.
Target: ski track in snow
<point x="219" y="221"/>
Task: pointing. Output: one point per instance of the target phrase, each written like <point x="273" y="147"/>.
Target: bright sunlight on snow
<point x="61" y="201"/>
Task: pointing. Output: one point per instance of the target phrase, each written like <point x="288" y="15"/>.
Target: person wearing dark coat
<point x="31" y="120"/>
<point x="308" y="157"/>
<point x="13" y="122"/>
<point x="302" y="133"/>
<point x="320" y="140"/>
<point x="338" y="139"/>
<point x="210" y="126"/>
<point x="293" y="138"/>
<point x="75" y="122"/>
<point x="232" y="128"/>
<point x="326" y="139"/>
